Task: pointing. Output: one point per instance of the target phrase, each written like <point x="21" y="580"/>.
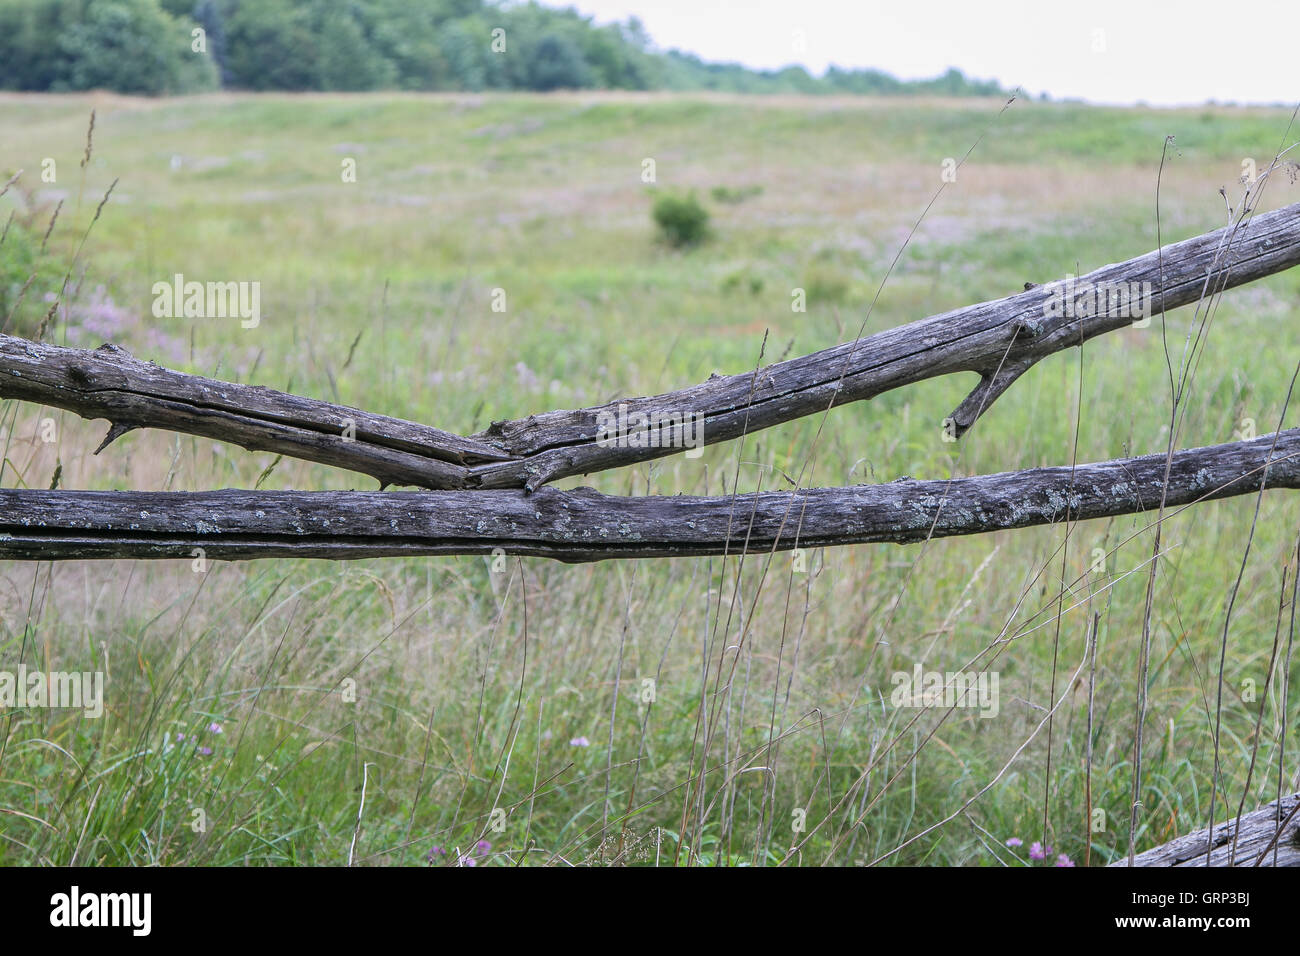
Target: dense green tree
<point x="29" y="34"/>
<point x="557" y="63"/>
<point x="211" y="15"/>
<point x="613" y="62"/>
<point x="143" y="46"/>
<point x="271" y="46"/>
<point x="347" y="58"/>
<point x="464" y="45"/>
<point x="406" y="34"/>
<point x="131" y="46"/>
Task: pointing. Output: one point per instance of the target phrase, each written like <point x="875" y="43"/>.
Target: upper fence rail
<point x="999" y="340"/>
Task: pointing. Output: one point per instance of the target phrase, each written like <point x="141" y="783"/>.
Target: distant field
<point x="421" y="677"/>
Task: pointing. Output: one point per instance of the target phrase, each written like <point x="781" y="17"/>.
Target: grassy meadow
<point x="688" y="711"/>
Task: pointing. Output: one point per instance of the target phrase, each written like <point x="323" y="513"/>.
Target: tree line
<point x="160" y="47"/>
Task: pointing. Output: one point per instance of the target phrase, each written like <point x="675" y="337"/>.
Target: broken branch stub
<point x="999" y="340"/>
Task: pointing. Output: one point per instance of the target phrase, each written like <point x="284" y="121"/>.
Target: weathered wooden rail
<point x="584" y="525"/>
<point x="1269" y="836"/>
<point x="1000" y="340"/>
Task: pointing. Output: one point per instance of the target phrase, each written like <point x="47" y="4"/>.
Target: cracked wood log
<point x="1000" y="340"/>
<point x="108" y="383"/>
<point x="583" y="525"/>
<point x="1269" y="836"/>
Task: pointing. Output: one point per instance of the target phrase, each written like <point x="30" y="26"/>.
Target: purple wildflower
<point x="579" y="742"/>
<point x="1036" y="851"/>
<point x="483" y="847"/>
<point x="1015" y="841"/>
<point x="215" y="728"/>
<point x="206" y="751"/>
<point x="1064" y="860"/>
<point x="526" y="376"/>
<point x="436" y="851"/>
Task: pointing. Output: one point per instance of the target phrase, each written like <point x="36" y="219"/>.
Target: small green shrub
<point x="682" y="220"/>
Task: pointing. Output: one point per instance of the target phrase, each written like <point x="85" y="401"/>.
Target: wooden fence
<point x="488" y="492"/>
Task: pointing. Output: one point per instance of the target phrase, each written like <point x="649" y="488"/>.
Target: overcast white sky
<point x="1162" y="53"/>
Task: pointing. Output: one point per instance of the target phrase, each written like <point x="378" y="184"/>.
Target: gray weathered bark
<point x="108" y="383"/>
<point x="1000" y="340"/>
<point x="583" y="525"/>
<point x="1260" y="841"/>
